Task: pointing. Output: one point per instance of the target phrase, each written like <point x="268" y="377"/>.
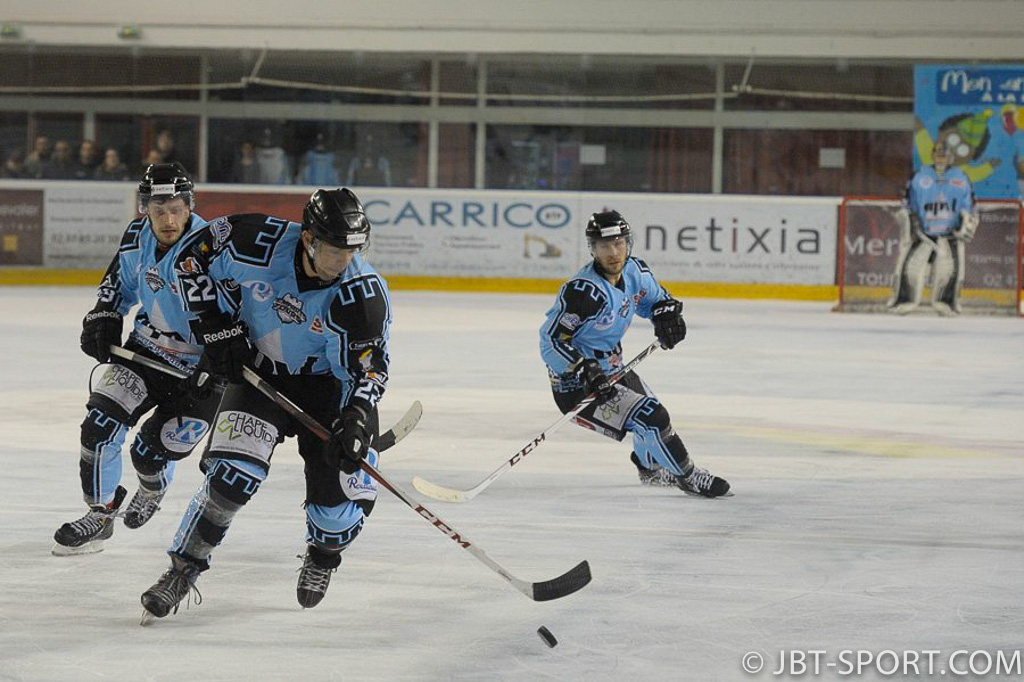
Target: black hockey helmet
<point x="336" y="216"/>
<point x="166" y="181"/>
<point x="608" y="225"/>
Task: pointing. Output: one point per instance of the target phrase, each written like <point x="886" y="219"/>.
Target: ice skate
<point x="315" y="576"/>
<point x="944" y="309"/>
<point x="87" y="534"/>
<point x="702" y="483"/>
<point x="656" y="476"/>
<point x="143" y="505"/>
<point x="174" y="585"/>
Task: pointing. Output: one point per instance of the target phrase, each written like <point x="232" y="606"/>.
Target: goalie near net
<point x="869" y="246"/>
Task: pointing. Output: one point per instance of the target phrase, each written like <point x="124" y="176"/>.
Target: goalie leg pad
<point x="911" y="277"/>
<point x="100" y="456"/>
<point x="654" y="439"/>
<point x="948" y="273"/>
<point x="229" y="485"/>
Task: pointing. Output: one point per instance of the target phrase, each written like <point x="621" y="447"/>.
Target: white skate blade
<point x="88" y="548"/>
<point x="147" y="618"/>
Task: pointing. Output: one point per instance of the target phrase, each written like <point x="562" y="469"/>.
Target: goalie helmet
<point x="336" y="216"/>
<point x="608" y="225"/>
<point x="166" y="181"/>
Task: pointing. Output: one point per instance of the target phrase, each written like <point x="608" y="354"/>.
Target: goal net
<point x="869" y="246"/>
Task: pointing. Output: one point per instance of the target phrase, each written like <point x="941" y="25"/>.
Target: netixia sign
<point x="541" y="235"/>
<point x="734" y="239"/>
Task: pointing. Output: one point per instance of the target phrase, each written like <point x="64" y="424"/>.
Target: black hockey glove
<point x="593" y="379"/>
<point x="226" y="352"/>
<point x="101" y="329"/>
<point x="349" y="441"/>
<point x="669" y="327"/>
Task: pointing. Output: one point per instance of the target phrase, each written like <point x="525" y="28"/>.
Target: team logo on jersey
<point x="606" y="321"/>
<point x="570" y="320"/>
<point x="317" y="327"/>
<point x="154" y="281"/>
<point x="289" y="309"/>
<point x="221" y="230"/>
<point x="639" y="296"/>
<point x="625" y="308"/>
<point x="189" y="266"/>
<point x="925" y="182"/>
<point x="261" y="291"/>
<point x="957" y="182"/>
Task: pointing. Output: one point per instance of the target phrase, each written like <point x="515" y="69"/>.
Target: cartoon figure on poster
<point x="975" y="113"/>
<point x="1011" y="117"/>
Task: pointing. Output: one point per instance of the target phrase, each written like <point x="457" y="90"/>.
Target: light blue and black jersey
<point x="298" y="324"/>
<point x="938" y="202"/>
<point x="590" y="317"/>
<point x="161" y="282"/>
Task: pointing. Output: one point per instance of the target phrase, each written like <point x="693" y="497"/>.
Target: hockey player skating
<point x="580" y="342"/>
<point x="151" y="268"/>
<point x="318" y="316"/>
<point x="939" y="217"/>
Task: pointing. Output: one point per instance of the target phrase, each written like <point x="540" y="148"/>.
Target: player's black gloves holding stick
<point x="593" y="379"/>
<point x="349" y="441"/>
<point x="101" y="329"/>
<point x="669" y="327"/>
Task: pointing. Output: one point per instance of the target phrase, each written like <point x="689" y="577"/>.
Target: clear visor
<point x="609" y="244"/>
<point x="160" y="199"/>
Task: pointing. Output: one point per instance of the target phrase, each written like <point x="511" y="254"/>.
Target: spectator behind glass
<point x="275" y="169"/>
<point x="319" y="166"/>
<point x="370" y="168"/>
<point x="112" y="167"/>
<point x="60" y="166"/>
<point x="152" y="157"/>
<point x="246" y="170"/>
<point x="88" y="160"/>
<point x="14" y="166"/>
<point x="164" y="144"/>
<point x="39" y="155"/>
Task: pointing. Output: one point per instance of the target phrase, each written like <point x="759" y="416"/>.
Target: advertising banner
<point x="21" y="227"/>
<point x="731" y="239"/>
<point x="979" y="112"/>
<point x="489" y="234"/>
<point x="85" y="221"/>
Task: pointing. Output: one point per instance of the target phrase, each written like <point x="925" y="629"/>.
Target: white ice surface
<point x="878" y="465"/>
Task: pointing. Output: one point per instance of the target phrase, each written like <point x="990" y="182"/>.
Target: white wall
<point x="925" y="29"/>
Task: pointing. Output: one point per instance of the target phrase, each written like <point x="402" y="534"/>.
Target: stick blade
<point x="401" y="429"/>
<point x="573" y="581"/>
<point x="439" y="492"/>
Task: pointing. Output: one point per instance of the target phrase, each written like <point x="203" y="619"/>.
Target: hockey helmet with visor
<point x="164" y="181"/>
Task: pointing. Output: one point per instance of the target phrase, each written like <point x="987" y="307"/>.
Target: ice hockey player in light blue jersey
<point x="580" y="342"/>
<point x="939" y="218"/>
<point x="152" y="268"/>
<point x="318" y="318"/>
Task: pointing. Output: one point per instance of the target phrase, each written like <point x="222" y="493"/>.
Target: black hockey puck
<point x="548" y="638"/>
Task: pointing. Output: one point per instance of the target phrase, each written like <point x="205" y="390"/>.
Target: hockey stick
<point x="384" y="441"/>
<point x="440" y="492"/>
<point x="567" y="583"/>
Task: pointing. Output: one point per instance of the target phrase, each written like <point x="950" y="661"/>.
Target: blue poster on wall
<point x="979" y="112"/>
